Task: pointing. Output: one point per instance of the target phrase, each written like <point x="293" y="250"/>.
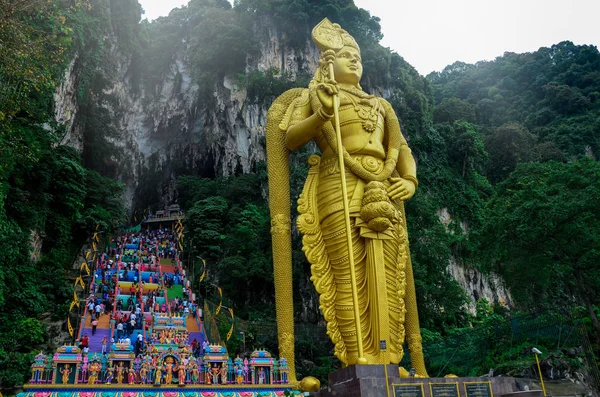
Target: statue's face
<point x="347" y="66"/>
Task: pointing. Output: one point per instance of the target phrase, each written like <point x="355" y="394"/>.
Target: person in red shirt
<point x="85" y="341"/>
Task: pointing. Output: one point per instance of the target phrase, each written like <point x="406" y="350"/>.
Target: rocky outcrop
<point x="476" y="284"/>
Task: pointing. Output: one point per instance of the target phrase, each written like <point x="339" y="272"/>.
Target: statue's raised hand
<point x="325" y="93"/>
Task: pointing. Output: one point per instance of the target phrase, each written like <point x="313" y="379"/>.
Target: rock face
<point x="170" y="129"/>
<point x="476" y="284"/>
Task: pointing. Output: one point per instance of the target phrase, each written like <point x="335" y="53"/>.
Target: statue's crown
<point x="331" y="36"/>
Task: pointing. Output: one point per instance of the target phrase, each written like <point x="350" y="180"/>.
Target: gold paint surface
<point x="380" y="174"/>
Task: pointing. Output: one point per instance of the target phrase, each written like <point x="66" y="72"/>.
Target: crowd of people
<point x="118" y="290"/>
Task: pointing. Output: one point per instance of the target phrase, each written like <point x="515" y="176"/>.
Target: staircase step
<point x="192" y="325"/>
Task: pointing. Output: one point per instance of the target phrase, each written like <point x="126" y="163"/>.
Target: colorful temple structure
<point x="163" y="351"/>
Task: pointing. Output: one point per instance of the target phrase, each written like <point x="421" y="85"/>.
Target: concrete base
<point x="370" y="381"/>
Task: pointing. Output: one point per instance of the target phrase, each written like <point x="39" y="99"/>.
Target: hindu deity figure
<point x="158" y="375"/>
<point x="144" y="374"/>
<point x="239" y="375"/>
<point x="194" y="372"/>
<point x="94" y="369"/>
<point x="131" y="376"/>
<point x="351" y="216"/>
<point x="169" y="367"/>
<point x="66" y="371"/>
<point x="215" y="374"/>
<point x="224" y="374"/>
<point x="120" y="373"/>
<point x="181" y="374"/>
<point x="110" y="373"/>
<point x="208" y="376"/>
<point x="262" y="376"/>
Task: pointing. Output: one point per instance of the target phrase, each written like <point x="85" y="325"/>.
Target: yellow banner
<point x="94" y="246"/>
<point x="232" y="323"/>
<point x="70" y="326"/>
<point x="85" y="267"/>
<point x="97" y="226"/>
<point x="180" y="246"/>
<point x="230" y="332"/>
<point x="95" y="237"/>
<point x="87" y="254"/>
<point x="75" y="298"/>
<point x="72" y="306"/>
<point x="79" y="281"/>
<point x="220" y="303"/>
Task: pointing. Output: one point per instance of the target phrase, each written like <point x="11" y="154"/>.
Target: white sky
<point x="431" y="34"/>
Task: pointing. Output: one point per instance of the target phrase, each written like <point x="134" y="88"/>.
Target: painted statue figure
<point x="120" y="373"/>
<point x="239" y="376"/>
<point x="169" y="367"/>
<point x="110" y="373"/>
<point x="94" y="369"/>
<point x="158" y="375"/>
<point x="181" y="374"/>
<point x="144" y="374"/>
<point x="66" y="371"/>
<point x="215" y="375"/>
<point x="194" y="373"/>
<point x="131" y="376"/>
<point x="208" y="376"/>
<point x="373" y="286"/>
<point x="224" y="374"/>
<point x="262" y="376"/>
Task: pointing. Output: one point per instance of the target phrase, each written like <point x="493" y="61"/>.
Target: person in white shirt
<point x="119" y="330"/>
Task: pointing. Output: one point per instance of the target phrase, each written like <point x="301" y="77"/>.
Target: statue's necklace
<point x="367" y="109"/>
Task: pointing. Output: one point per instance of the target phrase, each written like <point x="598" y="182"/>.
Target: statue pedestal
<point x="370" y="381"/>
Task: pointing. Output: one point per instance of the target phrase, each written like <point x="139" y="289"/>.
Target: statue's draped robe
<point x="380" y="259"/>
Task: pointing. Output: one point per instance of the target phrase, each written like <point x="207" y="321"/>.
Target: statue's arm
<point x="402" y="187"/>
<point x="304" y="126"/>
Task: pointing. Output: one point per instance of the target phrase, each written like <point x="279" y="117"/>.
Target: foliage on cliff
<point x="536" y="116"/>
<point x="46" y="192"/>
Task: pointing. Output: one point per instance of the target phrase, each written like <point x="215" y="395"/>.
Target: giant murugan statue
<point x="353" y="222"/>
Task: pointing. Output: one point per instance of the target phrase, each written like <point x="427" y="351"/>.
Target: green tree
<point x="507" y="146"/>
<point x="542" y="234"/>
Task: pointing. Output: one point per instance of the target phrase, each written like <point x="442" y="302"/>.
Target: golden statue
<point x="66" y="372"/>
<point x="360" y="210"/>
